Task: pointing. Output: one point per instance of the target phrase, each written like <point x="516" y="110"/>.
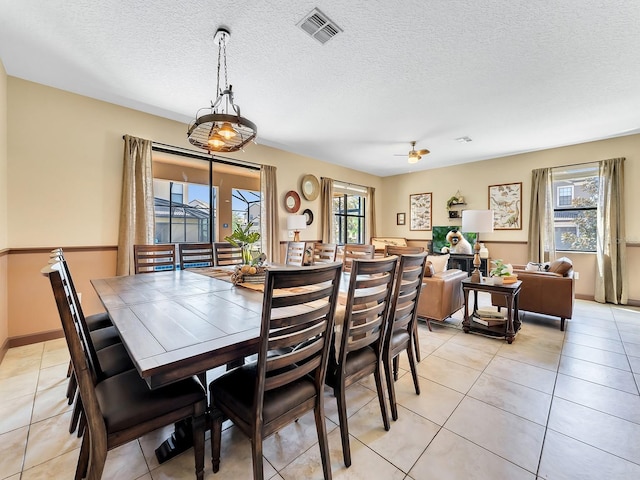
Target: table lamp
<point x="477" y="221"/>
<point x="296" y="223"/>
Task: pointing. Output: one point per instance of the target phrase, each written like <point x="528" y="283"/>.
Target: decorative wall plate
<point x="310" y="187"/>
<point x="292" y="201"/>
<point x="309" y="214"/>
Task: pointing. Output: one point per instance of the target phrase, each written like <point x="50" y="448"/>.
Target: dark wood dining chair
<point x="226" y="254"/>
<point x="195" y="255"/>
<point x="122" y="408"/>
<point x="295" y="254"/>
<point x="111" y="358"/>
<point x="288" y="378"/>
<point x="153" y="258"/>
<point x="401" y="326"/>
<point x="399" y="250"/>
<point x="352" y="251"/>
<point x="360" y="351"/>
<point x="324" y="252"/>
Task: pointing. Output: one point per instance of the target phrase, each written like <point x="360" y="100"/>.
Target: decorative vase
<point x="484" y="251"/>
<point x="497" y="280"/>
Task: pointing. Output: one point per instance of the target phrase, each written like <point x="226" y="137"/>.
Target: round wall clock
<point x="310" y="187"/>
<point x="292" y="201"/>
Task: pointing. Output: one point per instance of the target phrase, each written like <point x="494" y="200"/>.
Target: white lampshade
<point x="477" y="221"/>
<point x="296" y="222"/>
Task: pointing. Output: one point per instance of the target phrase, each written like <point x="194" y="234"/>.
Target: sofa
<point x="549" y="291"/>
<point x="441" y="295"/>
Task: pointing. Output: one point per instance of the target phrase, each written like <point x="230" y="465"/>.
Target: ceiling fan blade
<point x="422" y="152"/>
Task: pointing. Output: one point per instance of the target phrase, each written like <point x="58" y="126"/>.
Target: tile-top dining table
<point x="176" y="324"/>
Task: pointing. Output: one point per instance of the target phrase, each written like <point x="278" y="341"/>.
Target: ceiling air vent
<point x="319" y="26"/>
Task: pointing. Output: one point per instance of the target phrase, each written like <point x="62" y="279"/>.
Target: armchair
<point x="548" y="292"/>
<point x="441" y="295"/>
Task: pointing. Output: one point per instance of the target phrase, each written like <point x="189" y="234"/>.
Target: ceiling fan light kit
<point x="414" y="155"/>
<point x="222" y="129"/>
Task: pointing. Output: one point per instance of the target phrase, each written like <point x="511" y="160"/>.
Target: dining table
<point x="175" y="324"/>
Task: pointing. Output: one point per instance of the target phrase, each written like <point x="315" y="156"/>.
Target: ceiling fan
<point x="414" y="155"/>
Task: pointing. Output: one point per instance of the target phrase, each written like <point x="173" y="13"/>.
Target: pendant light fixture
<point x="222" y="129"/>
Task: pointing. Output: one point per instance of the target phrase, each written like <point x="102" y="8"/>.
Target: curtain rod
<point x="581" y="163"/>
<point x="347" y="184"/>
<point x="186" y="152"/>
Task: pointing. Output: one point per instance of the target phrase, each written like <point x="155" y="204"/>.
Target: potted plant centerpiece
<point x="252" y="268"/>
<point x="502" y="272"/>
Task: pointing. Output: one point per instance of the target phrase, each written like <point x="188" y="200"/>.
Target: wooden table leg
<point x="510" y="334"/>
<point x="466" y="322"/>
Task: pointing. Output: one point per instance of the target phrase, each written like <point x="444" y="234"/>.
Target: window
<point x="565" y="196"/>
<point x="200" y="199"/>
<point x="576" y="200"/>
<point x="246" y="208"/>
<point x="176" y="221"/>
<point x="349" y="214"/>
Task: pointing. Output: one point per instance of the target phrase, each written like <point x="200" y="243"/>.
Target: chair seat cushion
<point x="114" y="359"/>
<point x="399" y="339"/>
<point x="356" y="362"/>
<point x="98" y="321"/>
<point x="236" y="389"/>
<point x="126" y="400"/>
<point x="105" y="337"/>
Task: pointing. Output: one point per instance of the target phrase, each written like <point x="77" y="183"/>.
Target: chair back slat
<point x="324" y="252"/>
<point x="226" y="254"/>
<point x="196" y="255"/>
<point x="295" y="254"/>
<point x="153" y="258"/>
<point x="297" y="325"/>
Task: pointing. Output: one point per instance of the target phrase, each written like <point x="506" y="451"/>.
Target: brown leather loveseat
<point x="549" y="292"/>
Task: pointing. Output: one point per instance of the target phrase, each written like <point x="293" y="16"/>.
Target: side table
<point x="510" y="292"/>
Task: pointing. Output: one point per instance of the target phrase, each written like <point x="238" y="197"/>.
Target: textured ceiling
<point x="513" y="75"/>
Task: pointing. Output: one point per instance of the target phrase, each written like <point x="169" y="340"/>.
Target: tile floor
<point x="553" y="405"/>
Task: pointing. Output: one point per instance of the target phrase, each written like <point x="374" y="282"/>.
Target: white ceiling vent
<point x="319" y="26"/>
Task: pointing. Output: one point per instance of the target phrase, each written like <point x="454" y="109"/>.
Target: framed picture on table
<point x="506" y="202"/>
<point x="420" y="211"/>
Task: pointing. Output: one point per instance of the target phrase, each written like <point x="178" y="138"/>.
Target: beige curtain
<point x="541" y="232"/>
<point x="371" y="192"/>
<point x="326" y="209"/>
<point x="270" y="241"/>
<point x="136" y="210"/>
<point x="611" y="250"/>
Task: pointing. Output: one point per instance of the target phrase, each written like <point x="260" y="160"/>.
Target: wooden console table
<point x="510" y="292"/>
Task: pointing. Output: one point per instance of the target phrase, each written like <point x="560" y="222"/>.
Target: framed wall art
<point x="420" y="211"/>
<point x="401" y="218"/>
<point x="506" y="202"/>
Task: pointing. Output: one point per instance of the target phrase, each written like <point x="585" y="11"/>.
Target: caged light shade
<point x="222" y="129"/>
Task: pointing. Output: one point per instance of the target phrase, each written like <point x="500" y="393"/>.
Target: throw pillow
<point x="428" y="269"/>
<point x="561" y="266"/>
<point x="439" y="262"/>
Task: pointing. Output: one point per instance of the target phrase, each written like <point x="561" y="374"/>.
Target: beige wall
<point x="81" y="149"/>
<point x="4" y="323"/>
<point x="65" y="188"/>
<point x="473" y="180"/>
